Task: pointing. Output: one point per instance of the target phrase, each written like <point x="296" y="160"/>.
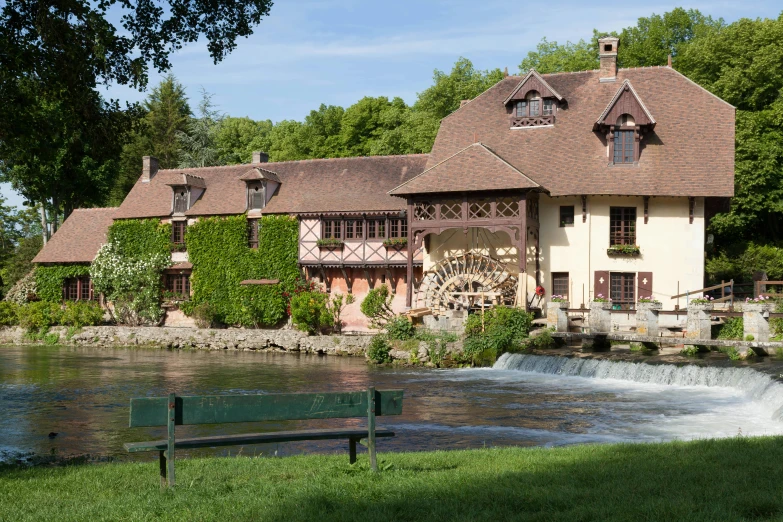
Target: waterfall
<point x="757" y="386"/>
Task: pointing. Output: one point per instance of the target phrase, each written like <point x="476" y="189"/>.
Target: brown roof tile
<point x="460" y="173"/>
<point x="79" y="237"/>
<point x="690" y="152"/>
<point x="326" y="185"/>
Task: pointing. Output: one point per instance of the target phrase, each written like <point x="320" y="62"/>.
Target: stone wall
<point x="216" y="339"/>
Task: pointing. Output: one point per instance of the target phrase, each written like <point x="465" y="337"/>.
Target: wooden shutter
<point x="601" y="283"/>
<point x="644" y="284"/>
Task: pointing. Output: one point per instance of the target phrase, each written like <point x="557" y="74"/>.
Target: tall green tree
<point x="166" y="115"/>
<point x="238" y="138"/>
<point x="551" y="57"/>
<point x="199" y="142"/>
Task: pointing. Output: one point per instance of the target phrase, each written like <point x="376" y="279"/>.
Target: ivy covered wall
<point x="221" y="259"/>
<point x="49" y="280"/>
<point x="140" y="238"/>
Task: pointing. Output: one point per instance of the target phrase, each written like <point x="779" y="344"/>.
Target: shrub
<point x="81" y="313"/>
<point x="336" y="305"/>
<point x="38" y="315"/>
<point x="310" y="313"/>
<point x="379" y="349"/>
<point x="9" y="313"/>
<point x="204" y="315"/>
<point x="503" y="330"/>
<point x="23" y="289"/>
<point x="400" y="329"/>
<point x="377" y="307"/>
<point x="543" y="340"/>
<point x="732" y="329"/>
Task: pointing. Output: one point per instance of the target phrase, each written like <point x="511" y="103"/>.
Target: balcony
<point x="531" y="121"/>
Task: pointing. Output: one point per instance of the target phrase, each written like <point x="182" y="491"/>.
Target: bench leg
<point x="352" y="450"/>
<point x="162" y="469"/>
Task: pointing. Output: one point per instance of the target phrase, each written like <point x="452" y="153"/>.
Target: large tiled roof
<point x="689" y="153"/>
<point x="307" y="186"/>
<point x="473" y="168"/>
<point x="79" y="237"/>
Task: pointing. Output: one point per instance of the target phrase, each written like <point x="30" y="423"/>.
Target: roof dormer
<point x="186" y="190"/>
<point x="261" y="186"/>
<point x="532" y="103"/>
<point x="625" y="121"/>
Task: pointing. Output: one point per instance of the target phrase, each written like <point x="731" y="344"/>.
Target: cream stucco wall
<point x="671" y="247"/>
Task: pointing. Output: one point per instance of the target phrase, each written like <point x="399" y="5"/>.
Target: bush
<point x="81" y="313"/>
<point x="504" y="328"/>
<point x="400" y="329"/>
<point x="310" y="313"/>
<point x="377" y="307"/>
<point x="543" y="340"/>
<point x="379" y="349"/>
<point x="23" y="290"/>
<point x="39" y="315"/>
<point x="203" y="315"/>
<point x="732" y="329"/>
<point x="9" y="313"/>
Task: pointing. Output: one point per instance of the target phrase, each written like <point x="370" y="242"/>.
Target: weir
<point x="757" y="386"/>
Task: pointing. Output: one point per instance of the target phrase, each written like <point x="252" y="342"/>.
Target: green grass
<point x="720" y="480"/>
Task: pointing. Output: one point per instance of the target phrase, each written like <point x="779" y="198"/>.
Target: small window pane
<point x="567" y="216"/>
<point x="534" y="104"/>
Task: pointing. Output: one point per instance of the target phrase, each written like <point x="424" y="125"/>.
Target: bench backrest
<point x="219" y="409"/>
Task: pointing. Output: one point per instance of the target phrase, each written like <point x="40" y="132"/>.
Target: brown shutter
<point x="644" y="282"/>
<point x="601" y="284"/>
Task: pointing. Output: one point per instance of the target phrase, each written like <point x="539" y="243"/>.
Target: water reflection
<point x="82" y="394"/>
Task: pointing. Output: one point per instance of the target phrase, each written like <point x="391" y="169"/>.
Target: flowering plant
<point x="759" y="299"/>
<point x="559" y="299"/>
<point x="601" y="299"/>
<point x="703" y="300"/>
<point x="648" y="300"/>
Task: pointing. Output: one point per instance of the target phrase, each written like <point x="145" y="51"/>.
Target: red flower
<point x="540" y="291"/>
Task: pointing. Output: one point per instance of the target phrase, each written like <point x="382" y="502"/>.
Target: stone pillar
<point x="600" y="318"/>
<point x="557" y="316"/>
<point x="647" y="319"/>
<point x="755" y="320"/>
<point x="699" y="325"/>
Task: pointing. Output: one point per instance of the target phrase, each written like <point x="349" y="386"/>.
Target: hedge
<point x="218" y="249"/>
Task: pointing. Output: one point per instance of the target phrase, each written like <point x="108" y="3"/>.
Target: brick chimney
<point x="260" y="157"/>
<point x="607" y="52"/>
<point x="149" y="168"/>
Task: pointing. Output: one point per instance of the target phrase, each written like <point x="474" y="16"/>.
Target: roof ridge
<point x="251" y="165"/>
<point x="94" y="208"/>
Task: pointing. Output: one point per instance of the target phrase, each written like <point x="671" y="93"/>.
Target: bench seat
<point x="256" y="438"/>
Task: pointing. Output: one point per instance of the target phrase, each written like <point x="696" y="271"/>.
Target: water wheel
<point x="456" y="282"/>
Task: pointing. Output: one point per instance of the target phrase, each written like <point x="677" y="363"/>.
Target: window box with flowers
<point x="701" y="304"/>
<point x="331" y="243"/>
<point x="761" y="304"/>
<point x="601" y="302"/>
<point x="624" y="250"/>
<point x="178" y="247"/>
<point x="648" y="303"/>
<point x="558" y="301"/>
<point x="394" y="242"/>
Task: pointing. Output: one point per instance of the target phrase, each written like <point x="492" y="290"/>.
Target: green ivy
<point x="49" y="280"/>
<point x="221" y="258"/>
<point x="140" y="238"/>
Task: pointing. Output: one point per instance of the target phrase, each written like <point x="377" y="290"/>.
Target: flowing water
<point x="82" y="395"/>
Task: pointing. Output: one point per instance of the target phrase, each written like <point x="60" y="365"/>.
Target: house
<point x="587" y="183"/>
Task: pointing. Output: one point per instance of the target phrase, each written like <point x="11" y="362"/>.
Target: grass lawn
<point x="720" y="480"/>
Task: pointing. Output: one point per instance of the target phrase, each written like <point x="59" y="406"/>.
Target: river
<point x="82" y="395"/>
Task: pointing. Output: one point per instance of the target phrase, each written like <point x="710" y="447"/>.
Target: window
<point x="560" y="283"/>
<point x="353" y="229"/>
<point x="549" y="107"/>
<point x="252" y="232"/>
<point x="178" y="232"/>
<point x="621" y="290"/>
<point x="534" y="107"/>
<point x="332" y="230"/>
<point x="257" y="196"/>
<point x="180" y="199"/>
<point x="78" y="289"/>
<point x="521" y="109"/>
<point x="376" y="229"/>
<point x="624" y="146"/>
<point x="178" y="284"/>
<point x="622" y="225"/>
<point x="398" y="228"/>
<point x="567" y="216"/>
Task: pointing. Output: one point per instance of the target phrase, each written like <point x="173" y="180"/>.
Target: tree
<point x="199" y="143"/>
<point x="369" y="127"/>
<point x="551" y="57"/>
<point x="238" y="138"/>
<point x="166" y="114"/>
<point x="59" y="139"/>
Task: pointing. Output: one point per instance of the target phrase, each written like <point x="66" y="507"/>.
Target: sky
<point x="309" y="52"/>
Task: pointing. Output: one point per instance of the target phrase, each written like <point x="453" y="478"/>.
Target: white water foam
<point x="758" y="387"/>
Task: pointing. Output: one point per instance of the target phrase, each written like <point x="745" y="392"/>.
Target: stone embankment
<point x="284" y="340"/>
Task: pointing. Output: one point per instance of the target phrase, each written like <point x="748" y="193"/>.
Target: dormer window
<point x="180" y="199"/>
<point x="261" y="186"/>
<point x="624" y="122"/>
<point x="256" y="195"/>
<point x="186" y="190"/>
<point x="532" y="103"/>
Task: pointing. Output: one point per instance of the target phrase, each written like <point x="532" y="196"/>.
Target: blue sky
<point x="310" y="52"/>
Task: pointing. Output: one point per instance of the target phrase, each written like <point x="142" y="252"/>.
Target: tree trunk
<point x="44" y="225"/>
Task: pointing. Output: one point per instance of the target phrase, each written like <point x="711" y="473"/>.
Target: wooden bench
<point x="219" y="409"/>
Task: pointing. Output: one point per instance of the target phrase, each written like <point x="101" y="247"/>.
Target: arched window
<point x="533" y="103"/>
<point x="624" y="140"/>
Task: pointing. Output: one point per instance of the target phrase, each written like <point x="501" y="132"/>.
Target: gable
<point x="626" y="101"/>
<point x="532" y="82"/>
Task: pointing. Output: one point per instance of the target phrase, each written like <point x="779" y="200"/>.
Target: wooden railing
<point x="758" y="291"/>
<point x="722" y="287"/>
